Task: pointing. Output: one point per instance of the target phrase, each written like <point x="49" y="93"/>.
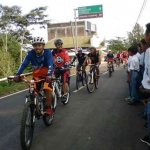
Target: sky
<point x="119" y="16"/>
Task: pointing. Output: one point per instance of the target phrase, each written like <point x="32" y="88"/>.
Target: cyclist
<point x="118" y="57"/>
<point x="81" y="57"/>
<point x="61" y="59"/>
<point x="124" y="58"/>
<point x="42" y="66"/>
<point x="95" y="59"/>
<point x="110" y="58"/>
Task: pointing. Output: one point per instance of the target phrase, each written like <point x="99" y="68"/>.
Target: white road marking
<point x="78" y="89"/>
<point x="13" y="94"/>
<point x="105" y="72"/>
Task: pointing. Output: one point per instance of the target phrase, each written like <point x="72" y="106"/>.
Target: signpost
<point x="87" y="12"/>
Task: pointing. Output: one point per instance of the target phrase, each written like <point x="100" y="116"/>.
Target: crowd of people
<point x="138" y="79"/>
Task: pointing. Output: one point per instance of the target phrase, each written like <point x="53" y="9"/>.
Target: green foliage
<point x="7" y="63"/>
<point x="117" y="44"/>
<point x="14" y="29"/>
<point x="135" y="35"/>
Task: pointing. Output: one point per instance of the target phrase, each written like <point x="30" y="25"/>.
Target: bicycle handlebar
<point x="27" y="81"/>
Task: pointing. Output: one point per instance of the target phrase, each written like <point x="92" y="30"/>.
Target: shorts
<point x="63" y="74"/>
<point x="45" y="85"/>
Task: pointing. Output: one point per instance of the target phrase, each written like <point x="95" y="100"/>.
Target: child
<point x="133" y="75"/>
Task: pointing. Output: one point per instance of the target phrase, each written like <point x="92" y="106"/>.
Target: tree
<point x="34" y="17"/>
<point x="135" y="35"/>
<point x="117" y="44"/>
<point x="13" y="46"/>
<point x="102" y="43"/>
<point x="7" y="64"/>
<point x="18" y="24"/>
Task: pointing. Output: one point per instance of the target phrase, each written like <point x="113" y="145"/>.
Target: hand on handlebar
<point x="48" y="79"/>
<point x="16" y="78"/>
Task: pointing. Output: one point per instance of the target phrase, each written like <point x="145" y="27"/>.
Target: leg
<point x="64" y="81"/>
<point x="97" y="70"/>
<point x="48" y="95"/>
<point x="133" y="86"/>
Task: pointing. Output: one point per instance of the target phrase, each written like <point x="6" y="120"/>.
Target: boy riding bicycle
<point x="110" y="58"/>
<point x="42" y="66"/>
<point x="81" y="58"/>
<point x="95" y="59"/>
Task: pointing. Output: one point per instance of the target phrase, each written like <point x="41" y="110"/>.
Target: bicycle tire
<point x="83" y="78"/>
<point x="87" y="84"/>
<point x="77" y="81"/>
<point x="96" y="82"/>
<point x="26" y="145"/>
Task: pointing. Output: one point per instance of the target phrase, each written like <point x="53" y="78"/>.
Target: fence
<point x="26" y="74"/>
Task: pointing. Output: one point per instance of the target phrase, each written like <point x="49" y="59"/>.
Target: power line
<point x="141" y="11"/>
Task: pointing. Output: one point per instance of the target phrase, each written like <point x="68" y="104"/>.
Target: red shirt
<point x="60" y="58"/>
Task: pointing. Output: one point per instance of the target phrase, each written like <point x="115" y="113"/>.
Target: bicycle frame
<point x="92" y="71"/>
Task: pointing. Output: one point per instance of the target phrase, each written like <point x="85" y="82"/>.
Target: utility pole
<point x="76" y="32"/>
<point x="73" y="35"/>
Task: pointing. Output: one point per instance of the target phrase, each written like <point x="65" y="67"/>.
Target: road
<point x="98" y="121"/>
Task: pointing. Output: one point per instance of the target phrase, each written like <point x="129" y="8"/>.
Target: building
<point x="59" y="30"/>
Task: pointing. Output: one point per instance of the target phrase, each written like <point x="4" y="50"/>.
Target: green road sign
<point x="90" y="12"/>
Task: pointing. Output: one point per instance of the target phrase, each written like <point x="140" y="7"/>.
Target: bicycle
<point x="80" y="77"/>
<point x="58" y="89"/>
<point x="117" y="62"/>
<point x="110" y="68"/>
<point x="92" y="81"/>
<point x="35" y="105"/>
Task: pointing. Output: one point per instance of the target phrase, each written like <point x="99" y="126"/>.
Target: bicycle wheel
<point x="83" y="78"/>
<point x="90" y="83"/>
<point x="48" y="119"/>
<point x="110" y="73"/>
<point x="77" y="81"/>
<point x="96" y="81"/>
<point x="27" y="126"/>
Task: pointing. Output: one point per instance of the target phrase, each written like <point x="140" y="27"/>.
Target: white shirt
<point x="129" y="60"/>
<point x="142" y="59"/>
<point x="138" y="55"/>
<point x="134" y="63"/>
<point x="146" y="75"/>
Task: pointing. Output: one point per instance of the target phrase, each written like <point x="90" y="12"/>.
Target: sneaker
<point x="64" y="97"/>
<point x="48" y="111"/>
<point x="127" y="99"/>
<point x="145" y="140"/>
<point x="131" y="103"/>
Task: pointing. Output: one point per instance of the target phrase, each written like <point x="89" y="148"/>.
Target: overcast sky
<point x="119" y="15"/>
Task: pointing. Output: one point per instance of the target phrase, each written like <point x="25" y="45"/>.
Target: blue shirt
<point x="110" y="56"/>
<point x="45" y="60"/>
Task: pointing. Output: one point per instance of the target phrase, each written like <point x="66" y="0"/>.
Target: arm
<point x="24" y="64"/>
<point x="49" y="63"/>
<point x="86" y="59"/>
<point x="67" y="59"/>
<point x="73" y="59"/>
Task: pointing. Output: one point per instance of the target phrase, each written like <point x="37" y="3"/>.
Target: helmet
<point x="93" y="48"/>
<point x="58" y="41"/>
<point x="39" y="40"/>
<point x="80" y="49"/>
<point x="109" y="50"/>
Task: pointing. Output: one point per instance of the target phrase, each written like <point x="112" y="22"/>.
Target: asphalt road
<point x="98" y="121"/>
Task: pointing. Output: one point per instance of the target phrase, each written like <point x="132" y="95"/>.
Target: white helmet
<point x="39" y="40"/>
